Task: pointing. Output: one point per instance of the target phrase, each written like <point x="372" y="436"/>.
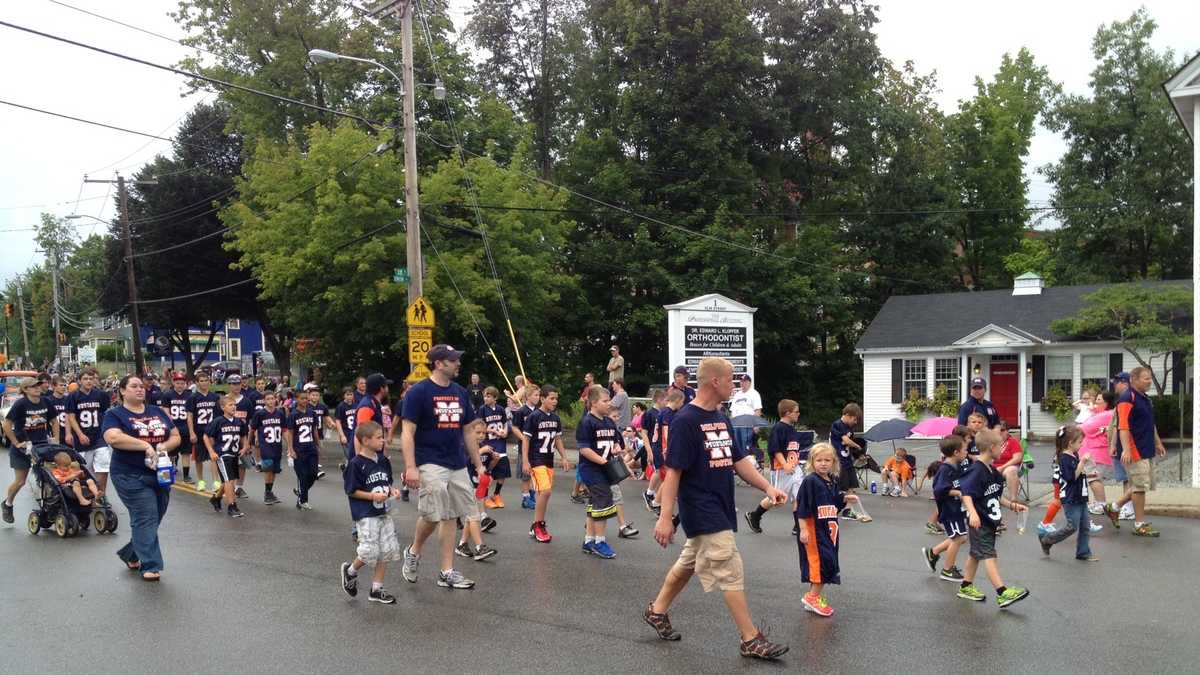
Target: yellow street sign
<point x="420" y="314"/>
<point x="420" y="371"/>
<point x="419" y="342"/>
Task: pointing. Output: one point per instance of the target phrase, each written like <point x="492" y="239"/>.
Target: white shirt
<point x="744" y="402"/>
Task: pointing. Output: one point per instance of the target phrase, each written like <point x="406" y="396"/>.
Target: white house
<point x="922" y="341"/>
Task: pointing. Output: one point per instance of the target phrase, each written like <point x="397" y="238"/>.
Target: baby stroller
<point x="57" y="506"/>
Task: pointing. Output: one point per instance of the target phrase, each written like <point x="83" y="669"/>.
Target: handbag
<point x="615" y="470"/>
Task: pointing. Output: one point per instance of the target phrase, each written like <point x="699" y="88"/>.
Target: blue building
<point x="235" y="340"/>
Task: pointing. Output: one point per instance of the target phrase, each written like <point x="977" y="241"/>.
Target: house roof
<point x="1183" y="90"/>
<point x="942" y="319"/>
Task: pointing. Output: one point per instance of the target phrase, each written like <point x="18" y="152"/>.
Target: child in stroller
<point x="68" y="472"/>
<point x="67" y="510"/>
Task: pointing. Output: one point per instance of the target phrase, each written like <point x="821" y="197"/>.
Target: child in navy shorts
<point x="818" y="503"/>
<point x="950" y="512"/>
<point x="368" y="482"/>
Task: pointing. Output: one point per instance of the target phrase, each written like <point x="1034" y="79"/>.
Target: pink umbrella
<point x="934" y="426"/>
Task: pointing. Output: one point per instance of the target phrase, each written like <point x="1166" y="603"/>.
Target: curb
<point x="1173" y="510"/>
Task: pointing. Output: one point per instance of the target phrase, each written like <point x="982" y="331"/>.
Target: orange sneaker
<point x="498" y="503"/>
<point x="817" y="605"/>
<point x="489" y="503"/>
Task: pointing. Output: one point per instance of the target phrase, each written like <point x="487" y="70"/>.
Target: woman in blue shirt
<point x="137" y="432"/>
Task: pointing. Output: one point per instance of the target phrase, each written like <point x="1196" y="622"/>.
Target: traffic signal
<point x="62" y="338"/>
<point x="8" y="310"/>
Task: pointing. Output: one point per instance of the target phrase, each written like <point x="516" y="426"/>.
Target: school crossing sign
<point x="421" y="320"/>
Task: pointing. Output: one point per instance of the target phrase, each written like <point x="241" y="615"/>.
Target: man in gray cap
<point x="438" y="422"/>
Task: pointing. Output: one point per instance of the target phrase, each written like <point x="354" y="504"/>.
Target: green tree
<point x="1034" y="255"/>
<point x="1128" y="156"/>
<point x="1151" y="320"/>
<point x="989" y="140"/>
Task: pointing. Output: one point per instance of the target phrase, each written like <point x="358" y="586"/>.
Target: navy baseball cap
<point x="681" y="369"/>
<point x="376" y="382"/>
<point x="978" y="382"/>
<point x="1121" y="377"/>
<point x="444" y="353"/>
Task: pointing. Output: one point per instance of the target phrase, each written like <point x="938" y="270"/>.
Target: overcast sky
<point x="44" y="159"/>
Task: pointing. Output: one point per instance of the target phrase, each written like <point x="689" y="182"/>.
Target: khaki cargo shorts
<point x="1141" y="475"/>
<point x="715" y="559"/>
<point x="445" y="494"/>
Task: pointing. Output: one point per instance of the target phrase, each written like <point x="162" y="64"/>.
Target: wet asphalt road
<point x="261" y="594"/>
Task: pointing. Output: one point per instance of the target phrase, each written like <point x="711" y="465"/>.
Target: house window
<point x="945" y="372"/>
<point x="1093" y="370"/>
<point x="914" y="377"/>
<point x="233" y="324"/>
<point x="235" y="348"/>
<point x="1058" y="373"/>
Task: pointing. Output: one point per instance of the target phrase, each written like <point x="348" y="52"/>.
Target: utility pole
<point x="416" y="274"/>
<point x="130" y="277"/>
<point x="53" y="253"/>
<point x="24" y="331"/>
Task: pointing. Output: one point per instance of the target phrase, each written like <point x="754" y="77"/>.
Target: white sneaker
<point x="1126" y="513"/>
<point x="1096" y="509"/>
<point x="895" y="492"/>
<point x="1095" y="527"/>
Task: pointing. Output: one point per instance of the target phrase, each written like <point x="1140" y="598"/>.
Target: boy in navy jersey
<point x="493" y="450"/>
<point x="344" y="415"/>
<point x="541" y="436"/>
<point x="533" y="398"/>
<point x="368" y="483"/>
<point x="598" y="439"/>
<point x="841" y="437"/>
<point x="952" y="516"/>
<point x="658" y="447"/>
<point x="982" y="496"/>
<point x="174" y="401"/>
<point x="267" y="426"/>
<point x="647" y="430"/>
<point x="679" y="383"/>
<point x="85" y="414"/>
<point x="783" y="449"/>
<point x="301" y="437"/>
<point x="225" y="439"/>
<point x="818" y="502"/>
<point x="244" y="410"/>
<point x="202" y="409"/>
<point x="58" y="407"/>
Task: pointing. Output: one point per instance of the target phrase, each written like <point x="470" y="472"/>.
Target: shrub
<point x="1058" y="403"/>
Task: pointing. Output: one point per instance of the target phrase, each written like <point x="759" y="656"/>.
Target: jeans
<point x="306" y="472"/>
<point x="146" y="502"/>
<point x="742" y="436"/>
<point x="1078" y="522"/>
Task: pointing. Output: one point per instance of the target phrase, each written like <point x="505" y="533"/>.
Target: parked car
<point x="223" y="369"/>
<point x="11" y="381"/>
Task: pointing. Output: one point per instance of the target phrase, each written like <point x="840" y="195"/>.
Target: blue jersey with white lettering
<point x="88" y="408"/>
<point x="818" y="503"/>
<point x="268" y="430"/>
<point x="985" y="486"/>
<point x="368" y="475"/>
<point x="303" y="426"/>
<point x="227" y="435"/>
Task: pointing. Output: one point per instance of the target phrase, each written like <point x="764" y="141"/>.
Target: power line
<point x="243" y="282"/>
<point x="42" y="206"/>
<point x="193" y="75"/>
<point x="133" y="27"/>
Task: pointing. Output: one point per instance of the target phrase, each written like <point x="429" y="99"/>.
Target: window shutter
<point x="897" y="380"/>
<point x="1039" y="378"/>
<point x="1178" y="373"/>
<point x="1116" y="363"/>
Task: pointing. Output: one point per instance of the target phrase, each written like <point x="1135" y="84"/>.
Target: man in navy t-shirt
<point x="976" y="403"/>
<point x="438" y="422"/>
<point x="701" y="460"/>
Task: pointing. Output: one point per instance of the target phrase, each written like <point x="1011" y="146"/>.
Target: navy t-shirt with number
<point x="344" y="416"/>
<point x="440" y="414"/>
<point x="88" y="409"/>
<point x="947" y="478"/>
<point x="518" y="417"/>
<point x="363" y="473"/>
<point x="495" y="422"/>
<point x="303" y="425"/>
<point x="206" y="408"/>
<point x="785" y="441"/>
<point x="151" y="425"/>
<point x="602" y="437"/>
<point x="700" y="445"/>
<point x="176" y="406"/>
<point x="226" y="435"/>
<point x="985" y="486"/>
<point x="268" y="430"/>
<point x="31" y="421"/>
<point x="1074" y="488"/>
<point x="542" y="428"/>
<point x="321" y="411"/>
<point x="836" y="431"/>
<point x="58" y="406"/>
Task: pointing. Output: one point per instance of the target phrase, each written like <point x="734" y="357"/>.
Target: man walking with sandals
<point x="701" y="460"/>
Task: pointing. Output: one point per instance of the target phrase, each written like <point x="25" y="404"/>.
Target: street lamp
<point x="319" y="56"/>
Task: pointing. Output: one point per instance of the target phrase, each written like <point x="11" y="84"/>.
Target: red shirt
<point x="1011" y="447"/>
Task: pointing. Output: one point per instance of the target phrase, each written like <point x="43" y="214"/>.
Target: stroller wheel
<point x="72" y="525"/>
<point x="111" y="521"/>
<point x="34" y="523"/>
<point x="99" y="521"/>
<point x="60" y="525"/>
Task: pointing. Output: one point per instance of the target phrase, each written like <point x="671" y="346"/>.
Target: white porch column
<point x="1195" y="298"/>
<point x="966" y="378"/>
<point x="1022" y="394"/>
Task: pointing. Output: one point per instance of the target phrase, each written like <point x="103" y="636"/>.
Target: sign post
<point x="710" y="325"/>
<point x="421" y="320"/>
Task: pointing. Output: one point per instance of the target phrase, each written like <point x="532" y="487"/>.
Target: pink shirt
<point x="1095" y="440"/>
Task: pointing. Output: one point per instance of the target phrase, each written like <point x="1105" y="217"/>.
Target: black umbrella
<point x="754" y="421"/>
<point x="889" y="430"/>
